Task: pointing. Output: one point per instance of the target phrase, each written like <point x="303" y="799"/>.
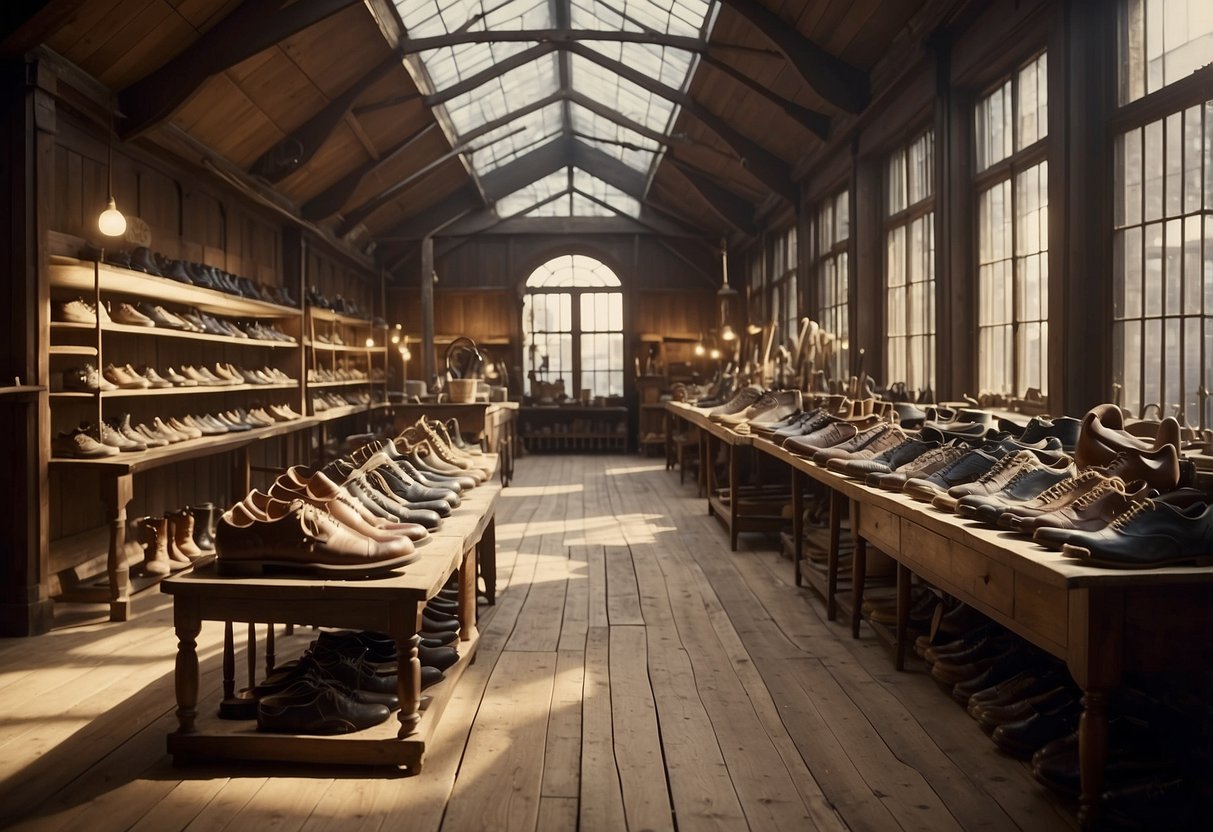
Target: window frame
<point x="1008" y="169"/>
<point x="840" y="368"/>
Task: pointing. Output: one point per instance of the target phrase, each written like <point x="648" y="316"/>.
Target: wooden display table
<point x="1102" y="623"/>
<point x="729" y="510"/>
<point x="391" y="604"/>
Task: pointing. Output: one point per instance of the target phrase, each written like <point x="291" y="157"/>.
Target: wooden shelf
<point x="318" y="314"/>
<point x="174" y="391"/>
<point x="341" y="412"/>
<point x="70" y="349"/>
<point x="21" y="391"/>
<point x="317" y="385"/>
<point x="133" y="463"/>
<point x="340" y="347"/>
<point x="78" y="275"/>
<point x="162" y="332"/>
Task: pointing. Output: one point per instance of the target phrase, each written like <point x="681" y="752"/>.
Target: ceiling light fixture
<point x="111" y="223"/>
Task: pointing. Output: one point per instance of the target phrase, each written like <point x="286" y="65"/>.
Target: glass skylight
<point x="587" y="196"/>
<point x="537" y="191"/>
<point x="499" y="97"/>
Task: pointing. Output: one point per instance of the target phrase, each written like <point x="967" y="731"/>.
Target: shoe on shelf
<point x="78" y="444"/>
<point x="86" y="379"/>
<point x="128" y="315"/>
<point x="73" y="312"/>
<point x="154" y="379"/>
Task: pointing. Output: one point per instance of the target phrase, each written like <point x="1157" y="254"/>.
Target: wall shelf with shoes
<point x="123" y="343"/>
<point x="82" y="275"/>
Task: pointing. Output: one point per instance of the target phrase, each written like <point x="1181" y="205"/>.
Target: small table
<point x="390" y="604"/>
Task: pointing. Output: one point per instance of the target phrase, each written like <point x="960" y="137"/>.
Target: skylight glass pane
<point x="585" y="207"/>
<point x="503" y="94"/>
<point x="505" y="144"/>
<point x="496" y="98"/>
<point x="537" y="191"/>
<point x="595" y="187"/>
<point x="626" y="98"/>
<point x="556" y="208"/>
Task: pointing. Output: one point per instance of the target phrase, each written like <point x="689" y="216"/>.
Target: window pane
<point x="1161" y="42"/>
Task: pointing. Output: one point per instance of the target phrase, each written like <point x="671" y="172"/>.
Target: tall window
<point x="1163" y="213"/>
<point x="785" y="306"/>
<point x="910" y="265"/>
<point x="569" y="302"/>
<point x="832" y="271"/>
<point x="1012" y="233"/>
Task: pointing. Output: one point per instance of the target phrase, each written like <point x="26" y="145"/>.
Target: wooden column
<point x="27" y="132"/>
<point x="428" y="368"/>
<point x="956" y="277"/>
<point x="1080" y="199"/>
<point x="867" y="270"/>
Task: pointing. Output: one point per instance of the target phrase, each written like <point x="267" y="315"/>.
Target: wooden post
<point x="428" y="369"/>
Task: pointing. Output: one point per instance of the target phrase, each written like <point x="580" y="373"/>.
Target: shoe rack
<point x="103" y="342"/>
<point x="346" y="358"/>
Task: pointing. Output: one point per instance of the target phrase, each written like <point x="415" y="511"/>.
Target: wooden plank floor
<point x="634" y="675"/>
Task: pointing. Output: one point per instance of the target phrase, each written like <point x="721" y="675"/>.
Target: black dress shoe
<point x="1019" y="661"/>
<point x="430" y="625"/>
<point x="309" y="707"/>
<point x="293" y="673"/>
<point x="435" y="638"/>
<point x="372" y="646"/>
<point x="1022" y="739"/>
<point x="437" y="657"/>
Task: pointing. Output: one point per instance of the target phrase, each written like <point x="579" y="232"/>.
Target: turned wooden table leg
<point x="406" y="621"/>
<point x="229" y="661"/>
<point x="270" y="658"/>
<point x="832" y="555"/>
<point x="116" y="495"/>
<point x="1096" y="660"/>
<point x="188" y="624"/>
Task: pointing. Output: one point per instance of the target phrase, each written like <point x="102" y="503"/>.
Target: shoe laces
<point x="1099" y="491"/>
<point x="1135" y="508"/>
<point x="1067" y="485"/>
<point x="1001" y="465"/>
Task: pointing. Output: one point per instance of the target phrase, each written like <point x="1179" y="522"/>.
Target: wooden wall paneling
<point x="953" y="365"/>
<point x="159" y="205"/>
<point x="273" y="83"/>
<point x="1005" y="34"/>
<point x="222" y="117"/>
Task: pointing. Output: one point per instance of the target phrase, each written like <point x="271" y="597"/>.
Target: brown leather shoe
<point x="296" y="535"/>
<point x="1092" y="511"/>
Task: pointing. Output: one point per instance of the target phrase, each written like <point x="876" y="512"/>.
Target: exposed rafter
<point x="735" y="211"/>
<point x="330" y="200"/>
<point x="843" y="85"/>
<point x="557" y="35"/>
<point x="768" y="168"/>
<point x="251" y="27"/>
<point x="528" y="168"/>
<point x="817" y="123"/>
<point x="294" y="151"/>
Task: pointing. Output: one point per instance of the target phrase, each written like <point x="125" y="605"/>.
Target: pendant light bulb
<point x="370" y="342"/>
<point x="727" y="333"/>
<point x="715" y="354"/>
<point x="699" y="349"/>
<point x="111" y="223"/>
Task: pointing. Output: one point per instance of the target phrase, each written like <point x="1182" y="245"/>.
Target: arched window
<point x="572" y="325"/>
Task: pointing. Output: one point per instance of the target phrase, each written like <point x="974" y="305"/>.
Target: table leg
<point x="241" y="473"/>
<point x="467" y="593"/>
<point x="408" y="680"/>
<point x="187" y="624"/>
<point x="734" y="478"/>
<point x="270" y="658"/>
<point x="859" y="569"/>
<point x="116" y="494"/>
<point x="229" y="661"/>
<point x="797" y="522"/>
<point x="705" y="447"/>
<point x="486" y="560"/>
<point x="708" y="460"/>
<point x="832" y="555"/>
<point x="903" y="614"/>
<point x="1092" y="752"/>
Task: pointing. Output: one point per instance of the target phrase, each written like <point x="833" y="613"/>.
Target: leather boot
<point x="182" y="523"/>
<point x="164" y="529"/>
<point x="204" y="526"/>
<point x="155" y="547"/>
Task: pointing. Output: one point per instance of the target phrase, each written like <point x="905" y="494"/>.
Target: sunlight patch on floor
<point x="636" y="469"/>
<point x="542" y="490"/>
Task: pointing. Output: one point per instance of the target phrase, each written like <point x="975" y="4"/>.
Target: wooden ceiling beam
<point x="331" y="199"/>
<point x="555" y="36"/>
<point x="735" y="211"/>
<point x="295" y="150"/>
<point x="816" y="123"/>
<point x="251" y="27"/>
<point x="843" y="85"/>
<point x="528" y="168"/>
<point x="498" y="69"/>
<point x="609" y="169"/>
<point x="490" y="126"/>
<point x="769" y="169"/>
